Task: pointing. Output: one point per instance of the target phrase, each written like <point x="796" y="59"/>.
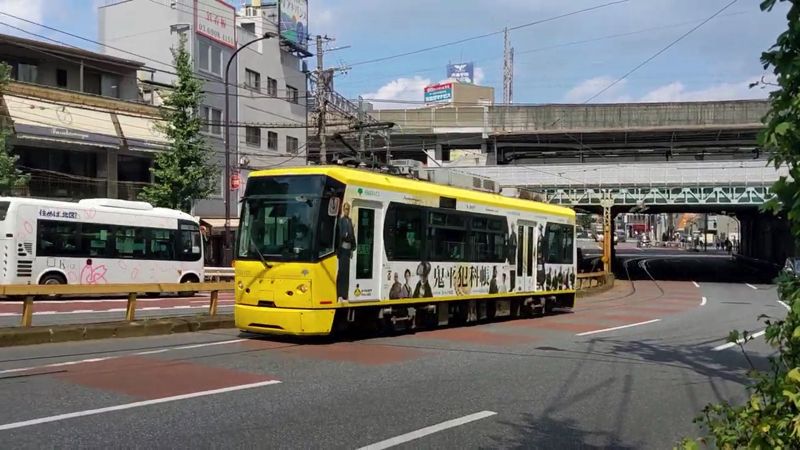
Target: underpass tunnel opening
<point x="714" y="243"/>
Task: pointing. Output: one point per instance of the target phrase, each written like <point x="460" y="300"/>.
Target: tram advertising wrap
<point x="314" y="241"/>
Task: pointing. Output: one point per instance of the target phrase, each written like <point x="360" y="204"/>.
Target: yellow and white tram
<point x="320" y="248"/>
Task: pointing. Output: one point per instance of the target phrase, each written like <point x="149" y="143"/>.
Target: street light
<point x="227" y="137"/>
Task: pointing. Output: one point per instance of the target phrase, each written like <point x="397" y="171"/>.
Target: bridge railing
<point x="31" y="293"/>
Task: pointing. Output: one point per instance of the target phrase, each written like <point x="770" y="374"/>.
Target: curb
<point x="10" y="337"/>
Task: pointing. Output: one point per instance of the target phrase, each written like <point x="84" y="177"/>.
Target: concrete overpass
<point x="596" y="133"/>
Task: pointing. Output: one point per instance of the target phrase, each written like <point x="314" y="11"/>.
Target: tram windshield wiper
<point x="260" y="256"/>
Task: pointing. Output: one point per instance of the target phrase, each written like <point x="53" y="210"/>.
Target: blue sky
<point x="718" y="61"/>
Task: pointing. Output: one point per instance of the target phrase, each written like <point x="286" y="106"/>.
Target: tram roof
<point x="401" y="184"/>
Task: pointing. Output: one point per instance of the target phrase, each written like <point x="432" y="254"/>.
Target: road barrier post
<point x="130" y="311"/>
<point x="212" y="307"/>
<point x="27" y="311"/>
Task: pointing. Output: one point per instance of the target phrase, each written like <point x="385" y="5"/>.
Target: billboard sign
<point x="439" y="93"/>
<point x="294" y="21"/>
<point x="462" y="72"/>
<point x="216" y="20"/>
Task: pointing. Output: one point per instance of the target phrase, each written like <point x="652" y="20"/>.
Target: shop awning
<point x="142" y="133"/>
<point x="34" y="119"/>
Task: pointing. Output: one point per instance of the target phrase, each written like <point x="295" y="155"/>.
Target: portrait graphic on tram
<point x="345" y="249"/>
<point x="511" y="255"/>
<point x="423" y="288"/>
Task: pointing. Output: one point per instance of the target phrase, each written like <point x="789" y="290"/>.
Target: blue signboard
<point x="439" y="93"/>
<point x="462" y="72"/>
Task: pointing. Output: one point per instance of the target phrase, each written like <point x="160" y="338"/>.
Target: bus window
<point x="54" y="238"/>
<point x="161" y="244"/>
<point x="94" y="240"/>
<point x="190" y="244"/>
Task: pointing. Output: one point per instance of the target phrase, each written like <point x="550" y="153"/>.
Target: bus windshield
<point x="288" y="218"/>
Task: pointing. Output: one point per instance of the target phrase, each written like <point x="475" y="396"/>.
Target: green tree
<point x="770" y="418"/>
<point x="185" y="171"/>
<point x="11" y="178"/>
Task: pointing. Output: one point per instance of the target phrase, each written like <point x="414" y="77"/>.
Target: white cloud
<point x="27" y="9"/>
<point x="395" y="91"/>
<point x="588" y="88"/>
<point x="678" y="92"/>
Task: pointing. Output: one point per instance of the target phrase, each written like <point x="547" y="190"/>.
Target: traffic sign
<point x="236" y="181"/>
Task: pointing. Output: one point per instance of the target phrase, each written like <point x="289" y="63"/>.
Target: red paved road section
<point x="474" y="335"/>
<point x="150" y="378"/>
<point x="358" y="353"/>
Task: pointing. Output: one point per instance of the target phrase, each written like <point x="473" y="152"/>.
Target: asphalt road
<point x="629" y="368"/>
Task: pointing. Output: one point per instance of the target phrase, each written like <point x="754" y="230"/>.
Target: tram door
<point x="526" y="257"/>
<point x="365" y="277"/>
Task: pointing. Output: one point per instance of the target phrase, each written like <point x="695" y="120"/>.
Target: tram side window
<point x="487" y="240"/>
<point x="447" y="235"/>
<point x="559" y="243"/>
<point x="54" y="238"/>
<point x="402" y="233"/>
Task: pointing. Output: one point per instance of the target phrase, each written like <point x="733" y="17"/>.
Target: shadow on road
<point x="699" y="268"/>
<point x="547" y="432"/>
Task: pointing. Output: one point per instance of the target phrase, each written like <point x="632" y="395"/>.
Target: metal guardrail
<point x="32" y="292"/>
<point x="599" y="278"/>
<point x="219" y="273"/>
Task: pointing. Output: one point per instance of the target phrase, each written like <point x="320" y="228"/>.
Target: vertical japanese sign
<point x="294" y="21"/>
<point x="216" y="20"/>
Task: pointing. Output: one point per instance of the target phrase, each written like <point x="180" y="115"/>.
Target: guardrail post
<point x="212" y="306"/>
<point x="130" y="311"/>
<point x="27" y="311"/>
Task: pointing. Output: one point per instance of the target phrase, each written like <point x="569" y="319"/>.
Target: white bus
<point x="97" y="241"/>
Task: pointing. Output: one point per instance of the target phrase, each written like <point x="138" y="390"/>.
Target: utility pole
<point x="323" y="157"/>
<point x="508" y="70"/>
<point x="361" y="135"/>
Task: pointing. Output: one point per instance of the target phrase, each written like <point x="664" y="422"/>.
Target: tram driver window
<point x="559" y="243"/>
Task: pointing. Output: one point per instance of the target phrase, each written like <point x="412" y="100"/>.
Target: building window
<point x="61" y="78"/>
<point x="253" y="136"/>
<point x="292" y="145"/>
<point x="272" y="140"/>
<point x="27" y="73"/>
<point x="252" y="80"/>
<point x="291" y="94"/>
<point x="272" y="87"/>
<point x="210" y="58"/>
<point x="211" y="120"/>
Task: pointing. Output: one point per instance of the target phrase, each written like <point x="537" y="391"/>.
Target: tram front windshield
<point x="287" y="218"/>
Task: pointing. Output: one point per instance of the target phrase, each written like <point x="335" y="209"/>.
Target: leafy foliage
<point x="11" y="178"/>
<point x="185" y="171"/>
<point x="770" y="419"/>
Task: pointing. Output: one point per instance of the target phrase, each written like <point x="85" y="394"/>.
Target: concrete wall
<point x="766" y="237"/>
<point x="469" y="93"/>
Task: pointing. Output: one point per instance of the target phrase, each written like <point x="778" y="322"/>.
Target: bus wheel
<point x="185" y="280"/>
<point x="51" y="279"/>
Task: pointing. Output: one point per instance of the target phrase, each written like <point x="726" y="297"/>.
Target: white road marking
<point x="785" y="305"/>
<point x="751" y="286"/>
<point x="703" y="302"/>
<point x="695" y="284"/>
<point x="92" y="412"/>
<point x="740" y="341"/>
<point x="618" y="328"/>
<point x="422" y="432"/>
<point x="148" y="352"/>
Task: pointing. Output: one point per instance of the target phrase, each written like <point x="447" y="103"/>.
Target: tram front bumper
<point x="299" y="322"/>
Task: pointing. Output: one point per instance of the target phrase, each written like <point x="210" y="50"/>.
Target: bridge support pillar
<point x="608" y="236"/>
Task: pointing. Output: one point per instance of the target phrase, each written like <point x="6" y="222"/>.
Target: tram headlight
<point x="302" y="288"/>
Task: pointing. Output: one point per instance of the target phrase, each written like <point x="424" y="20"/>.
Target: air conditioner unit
<point x="408" y="166"/>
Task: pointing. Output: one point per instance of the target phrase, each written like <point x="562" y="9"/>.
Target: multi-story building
<point x="266" y="81"/>
<point x="79" y="126"/>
